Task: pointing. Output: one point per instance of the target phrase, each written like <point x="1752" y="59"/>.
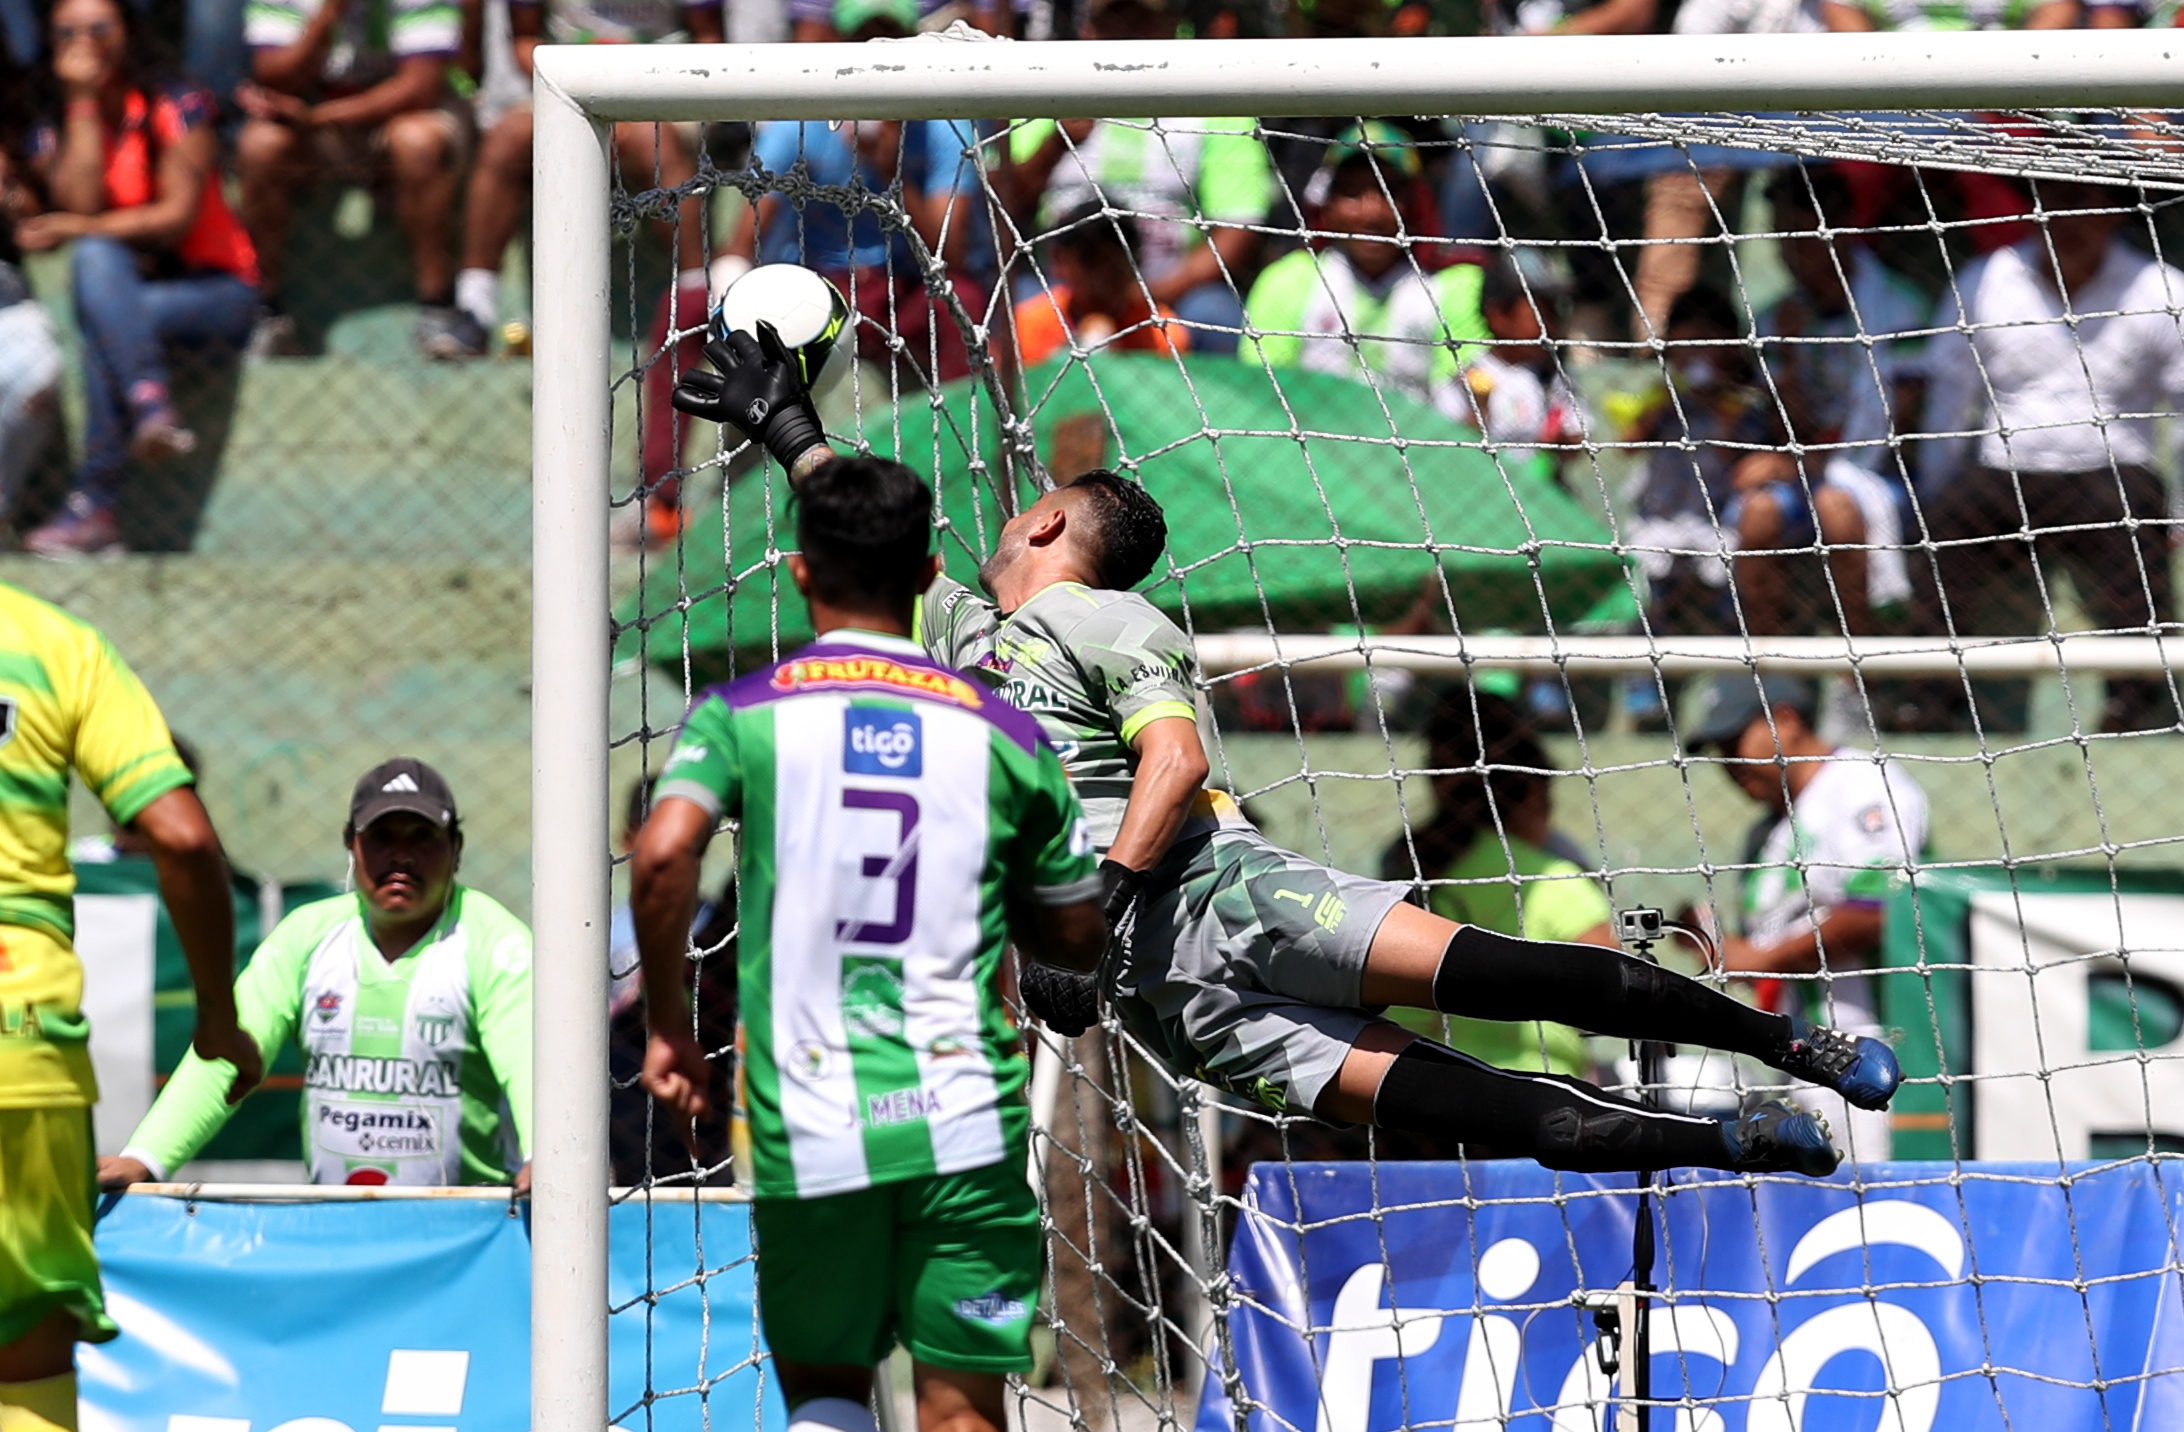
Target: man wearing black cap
<point x="1843" y="826"/>
<point x="410" y="999"/>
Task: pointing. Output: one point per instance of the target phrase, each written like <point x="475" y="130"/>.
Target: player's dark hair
<point x="1129" y="531"/>
<point x="1468" y="730"/>
<point x="864" y="526"/>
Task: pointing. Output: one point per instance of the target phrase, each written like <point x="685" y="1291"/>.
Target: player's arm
<point x="1846" y="932"/>
<point x="1171" y="771"/>
<point x="702" y="781"/>
<point x="193" y="881"/>
<point x="126" y="758"/>
<point x="195" y="1104"/>
<point x="663" y="900"/>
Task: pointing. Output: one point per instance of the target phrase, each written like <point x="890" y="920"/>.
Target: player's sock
<point x="47" y="1405"/>
<point x="1485" y="975"/>
<point x="1559" y="1122"/>
<point x="831" y="1414"/>
<point x="477" y="293"/>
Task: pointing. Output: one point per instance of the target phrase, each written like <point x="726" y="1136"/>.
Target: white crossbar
<point x="1690" y="655"/>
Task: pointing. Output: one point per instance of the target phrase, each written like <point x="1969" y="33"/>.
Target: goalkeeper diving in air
<point x="1248" y="966"/>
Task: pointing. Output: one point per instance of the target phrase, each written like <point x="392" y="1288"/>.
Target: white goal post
<point x="580" y="91"/>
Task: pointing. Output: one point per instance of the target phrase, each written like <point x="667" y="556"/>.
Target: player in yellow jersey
<point x="67" y="701"/>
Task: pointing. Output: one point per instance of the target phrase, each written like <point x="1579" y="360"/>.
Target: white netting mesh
<point x="1654" y="377"/>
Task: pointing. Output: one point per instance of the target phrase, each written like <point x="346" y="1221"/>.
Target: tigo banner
<point x="1986" y="1296"/>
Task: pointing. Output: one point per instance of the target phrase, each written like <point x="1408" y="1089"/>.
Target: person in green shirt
<point x="411" y="1003"/>
<point x="1491" y="858"/>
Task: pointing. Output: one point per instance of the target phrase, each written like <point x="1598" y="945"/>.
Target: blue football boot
<point x="1864" y="1071"/>
<point x="1774" y="1137"/>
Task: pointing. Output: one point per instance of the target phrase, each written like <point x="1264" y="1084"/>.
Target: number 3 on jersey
<point x="899" y="869"/>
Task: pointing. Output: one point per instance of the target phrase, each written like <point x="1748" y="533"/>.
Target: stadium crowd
<point x="1827" y="422"/>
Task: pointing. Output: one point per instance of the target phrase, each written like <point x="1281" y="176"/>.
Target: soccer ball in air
<point x="807" y="311"/>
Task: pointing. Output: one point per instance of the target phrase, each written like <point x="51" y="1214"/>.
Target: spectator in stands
<point x="1167" y="172"/>
<point x="1952" y="14"/>
<point x="652" y="155"/>
<point x="30" y="349"/>
<point x="1841" y="392"/>
<point x="1682" y="203"/>
<point x="161" y="266"/>
<point x="1841" y="829"/>
<point x="1720" y="480"/>
<point x="416" y="987"/>
<point x="359" y="91"/>
<point x="875" y="266"/>
<point x="1096" y="299"/>
<point x="1361" y="306"/>
<point x="1491" y="857"/>
<point x="2057" y="353"/>
<point x="1513" y="389"/>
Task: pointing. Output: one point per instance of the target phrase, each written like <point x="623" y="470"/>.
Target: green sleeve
<point x="1052" y="855"/>
<point x="268" y="998"/>
<point x="1025" y="139"/>
<point x="1463" y="322"/>
<point x="1563" y="906"/>
<point x="1274" y="312"/>
<point x="500" y="1000"/>
<point x="1235" y="179"/>
<point x="704" y="767"/>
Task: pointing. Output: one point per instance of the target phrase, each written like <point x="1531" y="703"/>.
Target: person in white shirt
<point x="2054" y="359"/>
<point x="1845" y="827"/>
<point x="1513" y="390"/>
<point x="1361" y="306"/>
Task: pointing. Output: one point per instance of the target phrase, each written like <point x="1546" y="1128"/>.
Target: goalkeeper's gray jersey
<point x="1094" y="667"/>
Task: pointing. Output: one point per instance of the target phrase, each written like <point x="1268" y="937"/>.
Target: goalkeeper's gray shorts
<point x="1244" y="966"/>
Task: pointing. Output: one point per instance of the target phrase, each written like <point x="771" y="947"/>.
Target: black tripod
<point x="1641" y="930"/>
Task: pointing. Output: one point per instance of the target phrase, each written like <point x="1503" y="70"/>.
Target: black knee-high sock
<point x="1558" y="1122"/>
<point x="1485" y="975"/>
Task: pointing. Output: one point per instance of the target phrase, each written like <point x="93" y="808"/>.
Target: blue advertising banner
<point x="406" y="1316"/>
<point x="1989" y="1296"/>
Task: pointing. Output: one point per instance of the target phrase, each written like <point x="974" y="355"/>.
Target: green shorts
<point x="48" y="1190"/>
<point x="947" y="1264"/>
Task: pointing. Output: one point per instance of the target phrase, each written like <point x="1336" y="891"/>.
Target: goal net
<point x="1742" y="486"/>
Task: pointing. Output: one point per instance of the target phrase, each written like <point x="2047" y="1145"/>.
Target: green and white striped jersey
<point x="890" y="810"/>
<point x="416" y="1070"/>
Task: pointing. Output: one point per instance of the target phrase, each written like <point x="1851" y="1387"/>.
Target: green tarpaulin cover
<point x="1296" y="501"/>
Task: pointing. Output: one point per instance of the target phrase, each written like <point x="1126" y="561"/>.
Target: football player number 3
<point x="900" y="869"/>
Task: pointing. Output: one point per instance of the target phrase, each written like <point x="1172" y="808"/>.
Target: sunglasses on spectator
<point x="96" y="30"/>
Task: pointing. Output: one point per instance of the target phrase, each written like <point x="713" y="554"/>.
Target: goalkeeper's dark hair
<point x="864" y="526"/>
<point x="1129" y="531"/>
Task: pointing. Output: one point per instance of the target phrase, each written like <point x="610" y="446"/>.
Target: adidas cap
<point x="405" y="784"/>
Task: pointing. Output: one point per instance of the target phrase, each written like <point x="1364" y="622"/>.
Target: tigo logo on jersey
<point x="879" y="741"/>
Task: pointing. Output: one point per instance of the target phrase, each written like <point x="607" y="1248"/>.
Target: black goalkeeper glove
<point x="757" y="389"/>
<point x="1120" y="887"/>
<point x="1066" y="1001"/>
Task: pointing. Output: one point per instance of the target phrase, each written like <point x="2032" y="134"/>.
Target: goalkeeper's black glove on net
<point x="757" y="388"/>
<point x="1066" y="1001"/>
